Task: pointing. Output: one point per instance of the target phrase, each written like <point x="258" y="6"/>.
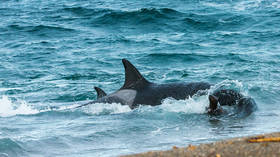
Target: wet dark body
<point x="153" y="94"/>
<point x="139" y="91"/>
<point x="243" y="105"/>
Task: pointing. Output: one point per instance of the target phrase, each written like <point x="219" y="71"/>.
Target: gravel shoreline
<point x="265" y="145"/>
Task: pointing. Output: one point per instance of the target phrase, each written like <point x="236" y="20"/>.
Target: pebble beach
<point x="264" y="145"/>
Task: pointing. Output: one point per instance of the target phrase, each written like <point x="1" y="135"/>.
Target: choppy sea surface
<point x="53" y="53"/>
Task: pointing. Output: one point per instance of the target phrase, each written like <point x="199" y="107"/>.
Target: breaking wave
<point x="104" y="108"/>
<point x="8" y="108"/>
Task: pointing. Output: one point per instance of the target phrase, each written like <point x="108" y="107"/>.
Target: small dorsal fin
<point x="100" y="92"/>
<point x="213" y="100"/>
<point x="132" y="76"/>
<point x="213" y="108"/>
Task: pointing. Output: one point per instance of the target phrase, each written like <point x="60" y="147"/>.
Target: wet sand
<point x="265" y="145"/>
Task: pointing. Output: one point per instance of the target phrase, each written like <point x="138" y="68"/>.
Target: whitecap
<point x="8" y="108"/>
<point x="105" y="108"/>
<point x="189" y="105"/>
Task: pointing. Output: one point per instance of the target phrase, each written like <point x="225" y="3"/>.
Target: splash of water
<point x="104" y="108"/>
<point x="190" y="105"/>
<point x="229" y="84"/>
<point x="8" y="108"/>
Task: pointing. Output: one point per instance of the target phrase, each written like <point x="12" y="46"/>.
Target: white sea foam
<point x="215" y="5"/>
<point x="190" y="105"/>
<point x="8" y="108"/>
<point x="104" y="108"/>
<point x="66" y="107"/>
<point x="276" y="4"/>
<point x="229" y="84"/>
<point x="6" y="89"/>
<point x="245" y="5"/>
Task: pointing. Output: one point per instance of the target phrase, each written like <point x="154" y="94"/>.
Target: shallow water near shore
<point x="53" y="53"/>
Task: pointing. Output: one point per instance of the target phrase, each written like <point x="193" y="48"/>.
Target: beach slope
<point x="266" y="145"/>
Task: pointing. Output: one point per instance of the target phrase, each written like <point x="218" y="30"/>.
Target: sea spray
<point x="190" y="105"/>
<point x="9" y="108"/>
<point x="104" y="108"/>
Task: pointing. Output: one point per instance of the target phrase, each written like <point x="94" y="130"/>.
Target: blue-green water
<point x="53" y="53"/>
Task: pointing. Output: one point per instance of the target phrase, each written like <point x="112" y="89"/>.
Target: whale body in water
<point x="139" y="91"/>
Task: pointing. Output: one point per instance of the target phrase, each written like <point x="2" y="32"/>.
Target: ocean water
<point x="53" y="53"/>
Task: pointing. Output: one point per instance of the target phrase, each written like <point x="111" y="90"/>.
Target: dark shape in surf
<point x="243" y="105"/>
<point x="139" y="91"/>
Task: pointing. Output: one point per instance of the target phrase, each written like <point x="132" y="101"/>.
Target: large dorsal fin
<point x="133" y="78"/>
<point x="100" y="92"/>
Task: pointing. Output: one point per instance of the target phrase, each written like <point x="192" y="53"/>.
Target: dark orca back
<point x="154" y="94"/>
